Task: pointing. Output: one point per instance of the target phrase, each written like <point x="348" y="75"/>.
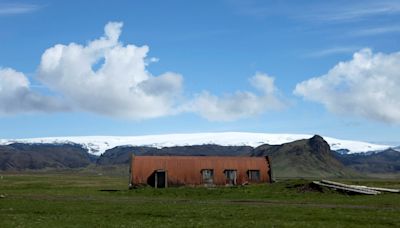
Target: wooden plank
<point x="363" y="187"/>
<point x="349" y="189"/>
<point x="355" y="190"/>
<point x="350" y="186"/>
<point x="382" y="189"/>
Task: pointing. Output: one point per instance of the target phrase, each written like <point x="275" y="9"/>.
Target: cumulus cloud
<point x="367" y="85"/>
<point x="121" y="86"/>
<point x="16" y="95"/>
<point x="241" y="104"/>
<point x="107" y="77"/>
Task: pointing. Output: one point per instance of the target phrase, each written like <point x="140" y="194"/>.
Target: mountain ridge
<point x="97" y="145"/>
<point x="304" y="158"/>
<point x="19" y="156"/>
<point x="301" y="158"/>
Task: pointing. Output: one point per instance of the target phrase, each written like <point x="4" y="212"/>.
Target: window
<point x="230" y="176"/>
<point x="254" y="175"/>
<point x="207" y="176"/>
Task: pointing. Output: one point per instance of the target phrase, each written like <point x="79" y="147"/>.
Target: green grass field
<point x="79" y="200"/>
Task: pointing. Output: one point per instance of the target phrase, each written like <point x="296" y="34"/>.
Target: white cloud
<point x="121" y="86"/>
<point x="376" y="31"/>
<point x="16" y="95"/>
<point x="332" y="51"/>
<point x="317" y="11"/>
<point x="350" y="11"/>
<point x="241" y="104"/>
<point x="10" y="9"/>
<point x="367" y="85"/>
<point x="109" y="78"/>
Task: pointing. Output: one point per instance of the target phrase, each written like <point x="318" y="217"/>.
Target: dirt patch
<point x="109" y="190"/>
<point x="308" y="187"/>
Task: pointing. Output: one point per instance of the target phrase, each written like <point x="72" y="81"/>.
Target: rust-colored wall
<point x="186" y="170"/>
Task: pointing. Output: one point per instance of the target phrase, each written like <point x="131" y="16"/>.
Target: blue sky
<point x="210" y="66"/>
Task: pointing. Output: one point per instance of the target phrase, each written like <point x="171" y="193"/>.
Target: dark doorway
<point x="160" y="177"/>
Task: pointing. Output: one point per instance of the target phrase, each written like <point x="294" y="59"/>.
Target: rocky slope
<point x="303" y="158"/>
<point x="40" y="156"/>
<point x="387" y="161"/>
<point x="97" y="145"/>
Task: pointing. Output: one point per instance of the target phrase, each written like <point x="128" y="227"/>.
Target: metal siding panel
<point x="187" y="169"/>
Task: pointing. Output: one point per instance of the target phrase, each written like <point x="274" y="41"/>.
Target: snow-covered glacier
<point x="99" y="144"/>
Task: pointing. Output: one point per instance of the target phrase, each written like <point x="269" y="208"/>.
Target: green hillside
<point x="303" y="158"/>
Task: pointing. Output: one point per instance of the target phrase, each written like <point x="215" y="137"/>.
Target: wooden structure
<point x="164" y="171"/>
<point x="354" y="188"/>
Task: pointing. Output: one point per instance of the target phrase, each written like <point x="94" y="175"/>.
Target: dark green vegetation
<point x="40" y="156"/>
<point x="302" y="158"/>
<point x="387" y="161"/>
<point x="83" y="200"/>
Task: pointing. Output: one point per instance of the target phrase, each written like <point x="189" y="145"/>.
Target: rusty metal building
<point x="164" y="171"/>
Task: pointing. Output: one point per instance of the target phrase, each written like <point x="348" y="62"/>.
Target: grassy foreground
<point x="80" y="200"/>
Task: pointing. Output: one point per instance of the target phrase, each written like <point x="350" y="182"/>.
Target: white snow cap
<point x="99" y="144"/>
